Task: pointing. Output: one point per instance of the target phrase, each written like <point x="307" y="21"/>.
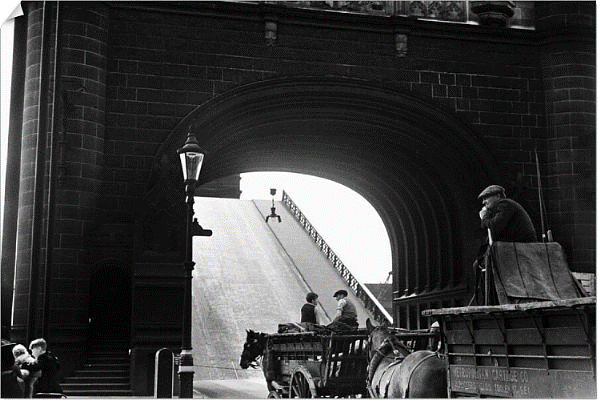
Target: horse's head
<point x="253" y="348"/>
<point x="377" y="335"/>
<point x="382" y="340"/>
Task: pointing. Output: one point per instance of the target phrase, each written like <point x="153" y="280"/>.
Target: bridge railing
<point x="361" y="291"/>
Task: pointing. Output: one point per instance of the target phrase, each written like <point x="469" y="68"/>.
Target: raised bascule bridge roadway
<point x="252" y="274"/>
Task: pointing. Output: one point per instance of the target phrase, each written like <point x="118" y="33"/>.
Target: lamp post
<point x="191" y="156"/>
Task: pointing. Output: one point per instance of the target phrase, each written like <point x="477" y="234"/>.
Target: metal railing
<point x="366" y="297"/>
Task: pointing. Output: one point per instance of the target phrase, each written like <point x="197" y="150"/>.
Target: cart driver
<point x="346" y="316"/>
<point x="506" y="220"/>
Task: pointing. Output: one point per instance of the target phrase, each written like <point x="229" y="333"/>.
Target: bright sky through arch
<point x="347" y="222"/>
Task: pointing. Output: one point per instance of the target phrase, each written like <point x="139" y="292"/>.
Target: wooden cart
<point x="308" y="365"/>
<point x="530" y="350"/>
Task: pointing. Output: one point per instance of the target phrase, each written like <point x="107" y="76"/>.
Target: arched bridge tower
<point x="420" y="167"/>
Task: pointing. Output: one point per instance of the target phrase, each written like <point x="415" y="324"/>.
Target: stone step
<point x="109" y="346"/>
<point x="91" y="393"/>
<point x="108" y="352"/>
<point x="106" y="366"/>
<point x="110" y="340"/>
<point x="93" y="372"/>
<point x="108" y="358"/>
<point x="123" y="386"/>
<point x="96" y="380"/>
<point x="105" y="372"/>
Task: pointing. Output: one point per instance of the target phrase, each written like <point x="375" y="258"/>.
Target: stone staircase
<point x="105" y="372"/>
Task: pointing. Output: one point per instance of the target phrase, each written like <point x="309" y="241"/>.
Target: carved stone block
<point x="493" y="13"/>
<point x="271" y="32"/>
<point x="401" y="41"/>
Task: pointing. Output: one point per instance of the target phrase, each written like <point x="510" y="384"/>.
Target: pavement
<point x="252" y="388"/>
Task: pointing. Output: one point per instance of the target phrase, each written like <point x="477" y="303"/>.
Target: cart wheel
<point x="274" y="395"/>
<point x="302" y="384"/>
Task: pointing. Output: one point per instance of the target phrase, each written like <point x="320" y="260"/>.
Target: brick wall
<point x="160" y="69"/>
<point x="26" y="241"/>
<point x="83" y="77"/>
<point x="62" y="161"/>
<point x="569" y="69"/>
<point x="162" y="64"/>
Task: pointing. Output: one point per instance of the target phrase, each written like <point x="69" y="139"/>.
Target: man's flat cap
<point x="491" y="190"/>
<point x="340" y="292"/>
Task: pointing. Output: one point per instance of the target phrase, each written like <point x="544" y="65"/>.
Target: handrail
<point x="371" y="303"/>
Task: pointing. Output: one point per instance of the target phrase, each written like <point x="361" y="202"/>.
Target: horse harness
<point x="392" y="344"/>
<point x="384" y="379"/>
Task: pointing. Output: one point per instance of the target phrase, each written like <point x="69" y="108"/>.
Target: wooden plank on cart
<point x="546" y="305"/>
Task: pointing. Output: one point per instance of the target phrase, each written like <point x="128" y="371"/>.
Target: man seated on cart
<point x="346" y="317"/>
<point x="311" y="317"/>
<point x="505" y="219"/>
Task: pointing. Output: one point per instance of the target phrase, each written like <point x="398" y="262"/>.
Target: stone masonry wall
<point x="78" y="207"/>
<point x="162" y="65"/>
<point x="28" y="170"/>
<point x="61" y="165"/>
<point x="569" y="72"/>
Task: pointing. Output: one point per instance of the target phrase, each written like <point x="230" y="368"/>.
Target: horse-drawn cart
<point x="310" y="364"/>
<point x="346" y="364"/>
<point x="523" y="347"/>
<point x="305" y="365"/>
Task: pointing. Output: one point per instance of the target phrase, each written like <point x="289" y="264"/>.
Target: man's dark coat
<point x="509" y="222"/>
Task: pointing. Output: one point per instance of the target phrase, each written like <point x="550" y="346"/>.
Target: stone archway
<point x="420" y="167"/>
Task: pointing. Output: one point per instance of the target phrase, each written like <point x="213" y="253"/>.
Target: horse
<point x="396" y="372"/>
<point x="256" y="344"/>
<point x="255" y="348"/>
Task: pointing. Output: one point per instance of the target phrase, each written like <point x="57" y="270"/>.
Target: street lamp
<point x="192" y="157"/>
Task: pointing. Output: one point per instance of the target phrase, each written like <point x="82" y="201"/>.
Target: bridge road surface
<point x="253" y="388"/>
<point x="250" y="275"/>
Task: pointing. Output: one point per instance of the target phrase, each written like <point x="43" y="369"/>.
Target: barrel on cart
<point x="308" y="365"/>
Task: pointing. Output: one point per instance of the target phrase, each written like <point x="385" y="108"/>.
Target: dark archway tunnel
<point x="420" y="167"/>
